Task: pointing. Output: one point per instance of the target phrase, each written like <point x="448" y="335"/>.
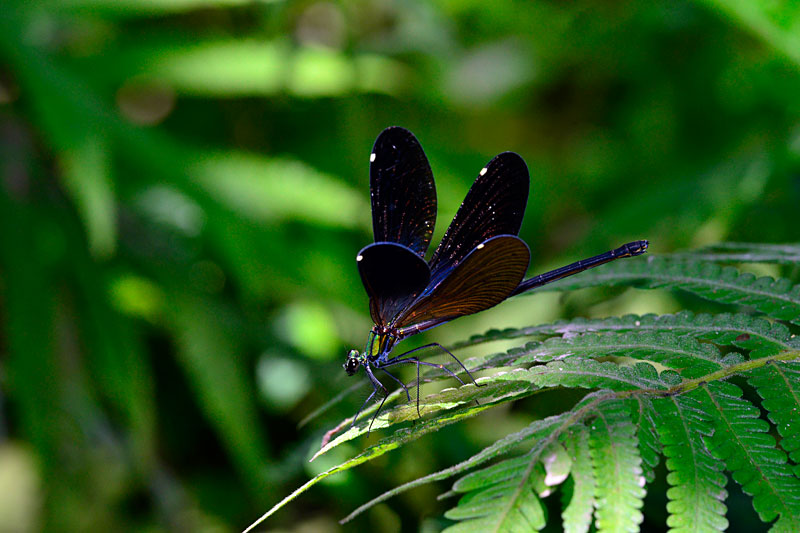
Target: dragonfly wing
<point x="393" y="275"/>
<point x="402" y="191"/>
<point x="494" y="205"/>
<point x="486" y="277"/>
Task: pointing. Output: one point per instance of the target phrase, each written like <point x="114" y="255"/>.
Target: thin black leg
<point x="405" y="388"/>
<point x="419" y="386"/>
<point x="416" y="361"/>
<point x="404" y="358"/>
<point x="442" y="367"/>
<point x="386" y="395"/>
<point x="374" y="390"/>
<point x="376" y="384"/>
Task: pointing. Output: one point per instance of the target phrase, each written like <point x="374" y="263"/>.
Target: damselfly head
<point x="352" y="363"/>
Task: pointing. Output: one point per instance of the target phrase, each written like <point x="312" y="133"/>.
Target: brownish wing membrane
<point x="482" y="280"/>
<point x="402" y="191"/>
<point x="393" y="276"/>
<point x="495" y="205"/>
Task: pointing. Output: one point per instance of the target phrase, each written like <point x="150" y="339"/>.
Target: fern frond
<point x="502" y="497"/>
<point x="580" y="489"/>
<point x="746" y="252"/>
<point x="537" y="431"/>
<point x="739" y="329"/>
<point x="697" y="483"/>
<point x="649" y="446"/>
<point x="604" y="450"/>
<point x="525" y="513"/>
<point x="778" y="384"/>
<point x="619" y="492"/>
<point x="505" y="496"/>
<point x="776" y="298"/>
<point x="587" y="374"/>
<point x="680" y="353"/>
<point x="742" y="441"/>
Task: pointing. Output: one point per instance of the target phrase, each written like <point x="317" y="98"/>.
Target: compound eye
<point x="351" y="365"/>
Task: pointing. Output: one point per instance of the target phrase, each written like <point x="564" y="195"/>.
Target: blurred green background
<point x="184" y="187"/>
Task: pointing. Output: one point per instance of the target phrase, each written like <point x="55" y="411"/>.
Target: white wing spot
<point x="483" y="171"/>
<point x="359" y="257"/>
<point x="481" y="245"/>
<point x="371" y="158"/>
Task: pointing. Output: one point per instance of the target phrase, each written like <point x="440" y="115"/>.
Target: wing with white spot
<point x="402" y="191"/>
<point x="495" y="205"/>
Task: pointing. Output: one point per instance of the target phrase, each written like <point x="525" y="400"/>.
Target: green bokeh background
<point x="184" y="187"/>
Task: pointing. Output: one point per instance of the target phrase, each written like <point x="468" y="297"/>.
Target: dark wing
<point x="402" y="191"/>
<point x="393" y="276"/>
<point x="482" y="280"/>
<point x="495" y="205"/>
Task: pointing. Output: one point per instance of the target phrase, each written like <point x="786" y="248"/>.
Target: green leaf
<point x="521" y="511"/>
<point x="87" y="178"/>
<point x="141" y="8"/>
<point x="745" y="252"/>
<point x="211" y="359"/>
<point x="740" y="330"/>
<point x="31" y="308"/>
<point x="619" y="492"/>
<point x="649" y="445"/>
<point x="577" y="514"/>
<point x="680" y="353"/>
<point x="492" y="391"/>
<point x="506" y="496"/>
<point x="742" y="441"/>
<point x="117" y="359"/>
<point x="268" y="189"/>
<point x="231" y="68"/>
<point x="404" y="435"/>
<point x="697" y="493"/>
<point x="779" y="385"/>
<point x="776" y="298"/>
<point x="536" y="431"/>
<point x="775" y="23"/>
<point x="587" y="373"/>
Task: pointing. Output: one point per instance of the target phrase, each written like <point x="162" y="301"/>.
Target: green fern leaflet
<point x="711" y="396"/>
